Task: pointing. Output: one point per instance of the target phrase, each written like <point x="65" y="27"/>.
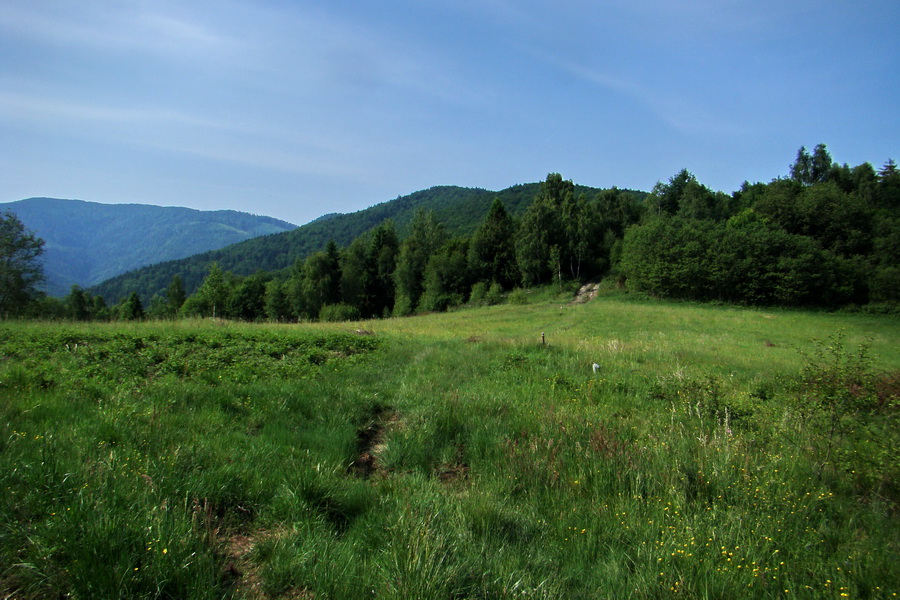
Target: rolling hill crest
<point x="460" y="209"/>
<point x="88" y="242"/>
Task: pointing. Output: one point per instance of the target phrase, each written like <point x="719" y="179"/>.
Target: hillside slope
<point x="89" y="242"/>
<point x="460" y="209"/>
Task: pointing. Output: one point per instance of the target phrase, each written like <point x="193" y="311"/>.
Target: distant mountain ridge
<point x="90" y="242"/>
<point x="460" y="209"/>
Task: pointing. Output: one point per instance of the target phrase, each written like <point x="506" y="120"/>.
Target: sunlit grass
<point x="499" y="467"/>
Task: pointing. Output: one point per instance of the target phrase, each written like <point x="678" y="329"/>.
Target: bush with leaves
<point x="849" y="411"/>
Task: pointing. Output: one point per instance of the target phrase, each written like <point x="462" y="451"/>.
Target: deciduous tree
<point x="20" y="269"/>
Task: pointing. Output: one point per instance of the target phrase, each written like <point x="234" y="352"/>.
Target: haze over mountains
<point x="88" y="242"/>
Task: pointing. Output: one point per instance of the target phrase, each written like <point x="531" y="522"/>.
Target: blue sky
<point x="294" y="109"/>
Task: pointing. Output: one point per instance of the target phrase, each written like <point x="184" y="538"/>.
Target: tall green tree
<point x="278" y="306"/>
<point x="356" y="275"/>
<point x="665" y="198"/>
<point x="384" y="250"/>
<point x="821" y="163"/>
<point x="175" y="296"/>
<point x="322" y="279"/>
<point x="294" y="289"/>
<point x="99" y="310"/>
<point x="579" y="227"/>
<point x="211" y="298"/>
<point x="425" y="237"/>
<point x="78" y="304"/>
<point x="615" y="210"/>
<point x="699" y="202"/>
<point x="492" y="251"/>
<point x="20" y="269"/>
<point x="447" y="280"/>
<point x="888" y="187"/>
<point x="132" y="309"/>
<point x="811" y="168"/>
<point x="541" y="229"/>
<point x="247" y="298"/>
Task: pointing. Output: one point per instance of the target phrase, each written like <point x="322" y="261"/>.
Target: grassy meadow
<point x="716" y="452"/>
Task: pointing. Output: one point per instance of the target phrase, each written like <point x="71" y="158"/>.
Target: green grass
<point x="454" y="456"/>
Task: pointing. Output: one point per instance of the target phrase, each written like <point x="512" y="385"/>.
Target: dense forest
<point x="827" y="235"/>
<point x="459" y="209"/>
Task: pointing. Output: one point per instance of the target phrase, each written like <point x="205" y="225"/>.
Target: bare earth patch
<point x="371" y="442"/>
<point x="586" y="292"/>
<point x="244" y="573"/>
<point x="456" y="472"/>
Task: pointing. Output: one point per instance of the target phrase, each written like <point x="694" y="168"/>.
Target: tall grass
<point x="703" y="459"/>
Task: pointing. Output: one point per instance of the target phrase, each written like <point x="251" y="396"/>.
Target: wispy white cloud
<point x="116" y="27"/>
<point x="49" y="111"/>
<point x="276" y="92"/>
<point x="675" y="107"/>
<point x="236" y="141"/>
<point x="334" y="58"/>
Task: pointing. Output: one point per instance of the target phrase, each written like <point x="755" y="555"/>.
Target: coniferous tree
<point x="801" y="170"/>
<point x="132" y="309"/>
<point x="492" y="252"/>
<point x="356" y="274"/>
<point x="820" y="164"/>
<point x="384" y="250"/>
<point x="322" y="280"/>
<point x="809" y="169"/>
<point x="426" y="236"/>
<point x="78" y="304"/>
<point x="888" y="187"/>
<point x="541" y="229"/>
<point x="175" y="296"/>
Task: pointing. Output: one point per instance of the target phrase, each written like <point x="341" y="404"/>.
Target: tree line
<point x="826" y="235"/>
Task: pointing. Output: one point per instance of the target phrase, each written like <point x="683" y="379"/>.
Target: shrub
<point x="478" y="295"/>
<point x="482" y="295"/>
<point x="518" y="296"/>
<point x="402" y="306"/>
<point x="850" y="413"/>
<point x="494" y="294"/>
<point x="338" y="312"/>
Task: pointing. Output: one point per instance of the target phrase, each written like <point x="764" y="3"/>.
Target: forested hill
<point x="459" y="209"/>
<point x="88" y="242"/>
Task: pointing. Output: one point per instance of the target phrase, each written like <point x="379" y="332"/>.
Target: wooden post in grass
<point x="543" y="341"/>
